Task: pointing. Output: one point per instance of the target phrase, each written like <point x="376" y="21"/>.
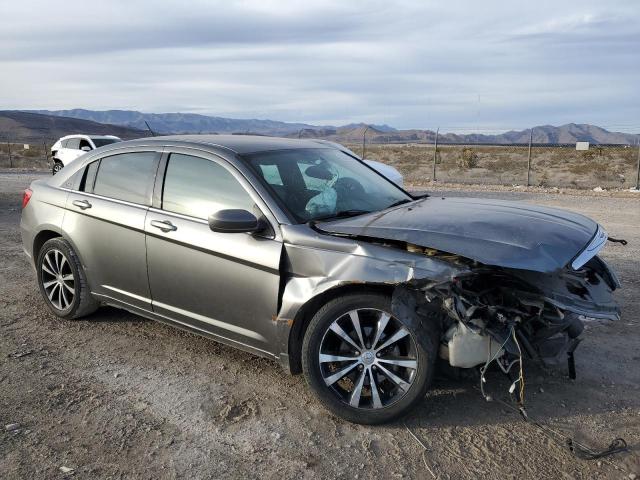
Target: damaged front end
<point x="502" y="314"/>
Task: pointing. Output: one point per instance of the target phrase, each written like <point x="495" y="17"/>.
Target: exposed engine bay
<point x="501" y="314"/>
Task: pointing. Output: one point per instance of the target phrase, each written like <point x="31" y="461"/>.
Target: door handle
<point x="82" y="204"/>
<point x="164" y="225"/>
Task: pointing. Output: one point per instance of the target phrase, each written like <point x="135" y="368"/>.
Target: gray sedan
<point x="297" y="251"/>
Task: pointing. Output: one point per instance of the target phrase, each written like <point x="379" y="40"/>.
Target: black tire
<point x="425" y="339"/>
<point x="57" y="166"/>
<point x="82" y="303"/>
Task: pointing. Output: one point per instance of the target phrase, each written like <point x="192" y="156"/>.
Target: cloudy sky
<point x="458" y="65"/>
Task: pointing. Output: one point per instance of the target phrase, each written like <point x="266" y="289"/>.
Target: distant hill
<point x="570" y="133"/>
<point x="27" y="127"/>
<point x="546" y="134"/>
<point x="164" y="123"/>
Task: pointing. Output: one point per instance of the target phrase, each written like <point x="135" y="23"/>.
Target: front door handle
<point x="82" y="204"/>
<point x="164" y="225"/>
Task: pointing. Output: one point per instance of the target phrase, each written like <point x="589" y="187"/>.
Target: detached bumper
<point x="588" y="291"/>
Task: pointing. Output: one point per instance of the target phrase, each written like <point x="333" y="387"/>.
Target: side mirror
<point x="86" y="149"/>
<point x="234" y="221"/>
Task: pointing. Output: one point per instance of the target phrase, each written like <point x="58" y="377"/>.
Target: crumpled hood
<point x="493" y="232"/>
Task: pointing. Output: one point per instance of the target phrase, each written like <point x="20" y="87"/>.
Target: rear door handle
<point x="164" y="225"/>
<point x="82" y="204"/>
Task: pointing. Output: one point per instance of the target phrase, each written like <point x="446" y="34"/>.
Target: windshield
<point x="315" y="184"/>
<point x="101" y="142"/>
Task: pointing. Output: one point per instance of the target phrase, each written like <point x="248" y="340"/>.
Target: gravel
<point x="117" y="396"/>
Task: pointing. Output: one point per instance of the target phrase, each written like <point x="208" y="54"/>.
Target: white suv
<point x="68" y="148"/>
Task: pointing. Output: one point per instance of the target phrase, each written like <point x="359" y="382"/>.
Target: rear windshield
<point x="101" y="142"/>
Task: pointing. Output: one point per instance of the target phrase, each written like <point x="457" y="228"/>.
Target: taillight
<point x="26" y="196"/>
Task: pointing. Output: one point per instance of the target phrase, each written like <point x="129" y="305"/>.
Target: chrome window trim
<point x="110" y="199"/>
<point x="592" y="248"/>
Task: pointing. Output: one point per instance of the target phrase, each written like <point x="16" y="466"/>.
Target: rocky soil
<point x="117" y="396"/>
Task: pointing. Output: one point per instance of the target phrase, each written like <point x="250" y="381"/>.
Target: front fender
<point x="313" y="268"/>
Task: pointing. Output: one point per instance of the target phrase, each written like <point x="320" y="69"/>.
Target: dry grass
<point x="550" y="166"/>
<point x="32" y="158"/>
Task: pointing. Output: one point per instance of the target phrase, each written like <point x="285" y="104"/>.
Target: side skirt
<point x="106" y="300"/>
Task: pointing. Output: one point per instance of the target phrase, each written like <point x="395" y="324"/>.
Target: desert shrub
<point x="588" y="154"/>
<point x="600" y="169"/>
<point x="544" y="180"/>
<point x="502" y="165"/>
<point x="32" y="152"/>
<point x="468" y="159"/>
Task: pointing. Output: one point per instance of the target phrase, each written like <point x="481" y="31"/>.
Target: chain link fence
<point x="606" y="166"/>
<point x="27" y="156"/>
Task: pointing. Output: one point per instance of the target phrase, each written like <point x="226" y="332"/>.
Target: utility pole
<point x="529" y="159"/>
<point x="435" y="154"/>
<point x="364" y="140"/>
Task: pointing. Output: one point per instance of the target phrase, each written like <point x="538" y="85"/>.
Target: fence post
<point x="9" y="150"/>
<point x="529" y="159"/>
<point x="638" y="170"/>
<point x="364" y="140"/>
<point x="46" y="153"/>
<point x="435" y="154"/>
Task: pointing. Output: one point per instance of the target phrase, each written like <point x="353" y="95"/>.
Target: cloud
<point x="409" y="64"/>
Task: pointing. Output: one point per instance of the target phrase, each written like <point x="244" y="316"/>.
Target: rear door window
<point x="198" y="187"/>
<point x="127" y="176"/>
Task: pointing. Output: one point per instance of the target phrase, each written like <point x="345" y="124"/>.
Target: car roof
<point x="84" y="135"/>
<point x="239" y="144"/>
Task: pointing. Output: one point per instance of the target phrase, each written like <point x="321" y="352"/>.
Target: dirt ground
<point x="117" y="396"/>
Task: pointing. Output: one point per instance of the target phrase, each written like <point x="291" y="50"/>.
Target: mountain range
<point x="131" y="124"/>
<point x="16" y="126"/>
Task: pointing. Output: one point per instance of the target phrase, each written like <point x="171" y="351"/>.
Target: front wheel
<point x="57" y="166"/>
<point x="364" y="364"/>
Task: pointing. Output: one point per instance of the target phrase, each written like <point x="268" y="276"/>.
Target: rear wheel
<point x="364" y="364"/>
<point x="62" y="281"/>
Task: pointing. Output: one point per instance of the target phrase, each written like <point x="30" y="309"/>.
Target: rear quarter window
<point x="89" y="178"/>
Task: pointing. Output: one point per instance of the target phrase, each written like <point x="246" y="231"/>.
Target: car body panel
<point x="493" y="232"/>
<point x="45" y="212"/>
<point x="228" y="283"/>
<point x="316" y="263"/>
<point x="110" y="240"/>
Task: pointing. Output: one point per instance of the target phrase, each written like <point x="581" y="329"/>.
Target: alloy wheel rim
<point x="57" y="279"/>
<point x="368" y="359"/>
